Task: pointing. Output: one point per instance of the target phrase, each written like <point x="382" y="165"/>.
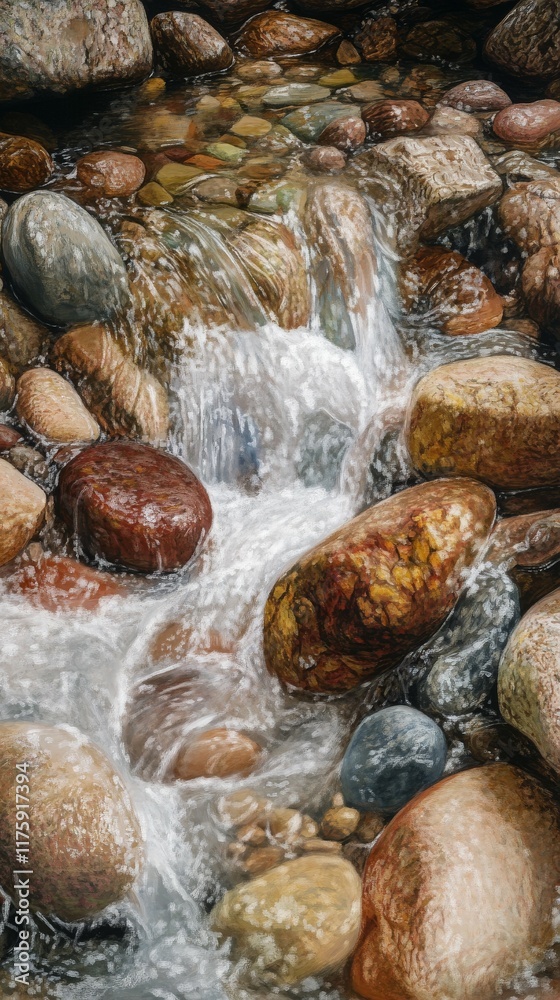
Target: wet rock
<point x="428" y="184"/>
<point x="367" y="91"/>
<point x="325" y="160"/>
<point x="495" y="418"/>
<point x="81" y="865"/>
<point x="528" y="689"/>
<point x="154" y="195"/>
<point x="294" y="93"/>
<point x="320" y="894"/>
<point x="392" y="117"/>
<point x="187" y="45"/>
<point x="347" y="54"/>
<point x="450" y="293"/>
<point x="8" y="437"/>
<point x="275" y="33"/>
<point x="57" y="583"/>
<point x="459" y="890"/>
<point x="541" y="288"/>
<point x="217" y="753"/>
<point x="377" y="39"/>
<point x="379" y="586"/>
<point x="125" y="399"/>
<point x="441" y="39"/>
<point x="108" y="44"/>
<point x="393" y="755"/>
<point x="134" y="506"/>
<point x="258" y="70"/>
<point x="527" y="42"/>
<point x="30" y="462"/>
<point x="21" y="336"/>
<point x="216" y="191"/>
<point x="530" y="214"/>
<point x="346" y="134"/>
<point x="337" y="78"/>
<point x="476" y="95"/>
<point x="250" y="126"/>
<point x="7" y="386"/>
<point x="527" y="124"/>
<point x="276" y="269"/>
<point x="52" y="409"/>
<point x="445" y="120"/>
<point x="115" y="175"/>
<point x="60" y="260"/>
<point x="23" y="509"/>
<point x="517" y="165"/>
<point x="310" y="122"/>
<point x="24" y="164"/>
<point x="339" y="823"/>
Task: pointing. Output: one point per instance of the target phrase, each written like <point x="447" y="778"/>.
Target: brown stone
<point x="8" y="437"/>
<point x="445" y="120"/>
<point x="495" y="418"/>
<point x="86" y="838"/>
<point x="242" y="807"/>
<point x="530" y="214"/>
<point x="527" y="124"/>
<point x="52" y="409"/>
<point x="457" y="297"/>
<point x="526" y="43"/>
<point x="346" y="134"/>
<point x="125" y="399"/>
<point x="541" y="288"/>
<point x="377" y="588"/>
<point x="325" y="159"/>
<point x="134" y="506"/>
<point x="216" y="753"/>
<point x="459" y="890"/>
<point x="377" y="40"/>
<point x="23" y="507"/>
<point x="517" y="165"/>
<point x="391" y="117"/>
<point x="476" y="95"/>
<point x="347" y="54"/>
<point x="24" y="164"/>
<point x="275" y="267"/>
<point x="277" y="33"/>
<point x="339" y="823"/>
<point x="442" y="39"/>
<point x="115" y="175"/>
<point x="21" y="336"/>
<point x="187" y="45"/>
<point x="57" y="583"/>
<point x="285" y="825"/>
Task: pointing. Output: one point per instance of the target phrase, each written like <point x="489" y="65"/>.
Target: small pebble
<point x="252" y="834"/>
<point x="262" y="859"/>
<point x="347" y="54"/>
<point x="154" y="194"/>
<point x="325" y="159"/>
<point x="285" y="825"/>
<point x="317" y="846"/>
<point x="339" y="823"/>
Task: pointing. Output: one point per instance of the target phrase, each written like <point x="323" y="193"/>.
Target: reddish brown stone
<point x="456" y="295"/>
<point x="187" y="44"/>
<point x="24" y="164"/>
<point x="58" y="583"/>
<point x="134" y="506"/>
<point x="8" y="437"/>
<point x="526" y="124"/>
<point x="476" y="95"/>
<point x="377" y="588"/>
<point x="277" y="33"/>
<point x="115" y="175"/>
<point x="346" y="134"/>
<point x="388" y="118"/>
<point x="530" y="213"/>
<point x="325" y="159"/>
<point x="377" y="40"/>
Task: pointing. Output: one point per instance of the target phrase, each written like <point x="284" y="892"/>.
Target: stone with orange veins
<point x="494" y="418"/>
<point x="456" y="296"/>
<point x="459" y="891"/>
<point x="276" y="269"/>
<point x="59" y="583"/>
<point x="377" y="588"/>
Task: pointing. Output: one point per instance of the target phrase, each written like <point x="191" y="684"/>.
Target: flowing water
<point x="292" y="433"/>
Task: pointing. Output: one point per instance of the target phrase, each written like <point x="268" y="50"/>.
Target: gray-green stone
<point x="308" y="122"/>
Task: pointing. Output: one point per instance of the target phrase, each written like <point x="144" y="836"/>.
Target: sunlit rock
<point x="23" y="509"/>
<point x="86" y="838"/>
<point x="297" y="920"/>
<point x="459" y="890"/>
<point x="449" y="292"/>
<point x="52" y="409"/>
<point x="495" y="418"/>
<point x="377" y="588"/>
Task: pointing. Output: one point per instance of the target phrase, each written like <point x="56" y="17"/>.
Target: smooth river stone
<point x="58" y="583"/>
<point x="294" y="93"/>
<point x="495" y="418"/>
<point x="86" y="838"/>
<point x="23" y="506"/>
<point x="530" y="213"/>
<point x="187" y="45"/>
<point x="99" y="43"/>
<point x="24" y="164"/>
<point x="393" y="117"/>
<point x="528" y="679"/>
<point x="60" y="260"/>
<point x="527" y="42"/>
<point x="276" y="33"/>
<point x="526" y="124"/>
<point x="455" y="295"/>
<point x="300" y="919"/>
<point x="393" y="755"/>
<point x="476" y="95"/>
<point x="134" y="506"/>
<point x="459" y="891"/>
<point x="113" y="174"/>
<point x="377" y="588"/>
<point x="52" y="409"/>
<point x="309" y="122"/>
<point x="346" y="134"/>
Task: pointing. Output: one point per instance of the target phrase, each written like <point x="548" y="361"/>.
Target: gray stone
<point x="60" y="260"/>
<point x="308" y="122"/>
<point x="294" y="93"/>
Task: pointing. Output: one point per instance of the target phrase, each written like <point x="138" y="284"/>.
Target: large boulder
<point x="99" y="43"/>
<point x="135" y="506"/>
<point x="527" y="42"/>
<point x="377" y="588"/>
<point x="297" y="920"/>
<point x="85" y="839"/>
<point x="276" y="33"/>
<point x="459" y="891"/>
<point x="23" y="507"/>
<point x="495" y="418"/>
<point x="60" y="260"/>
<point x="528" y="678"/>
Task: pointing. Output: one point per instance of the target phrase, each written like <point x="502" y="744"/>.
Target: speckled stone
<point x="527" y="124"/>
<point x="113" y="174"/>
<point x="526" y="43"/>
<point x="456" y="296"/>
<point x="52" y="409"/>
<point x="476" y="95"/>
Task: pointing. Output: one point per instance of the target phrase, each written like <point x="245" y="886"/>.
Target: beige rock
<point x="316" y="845"/>
<point x="52" y="409"/>
<point x="340" y="227"/>
<point x="242" y="807"/>
<point x="298" y="920"/>
<point x="459" y="890"/>
<point x="23" y="507"/>
<point x="338" y="824"/>
<point x="285" y="825"/>
<point x="445" y="120"/>
<point x="262" y="859"/>
<point x="124" y="398"/>
<point x="530" y="214"/>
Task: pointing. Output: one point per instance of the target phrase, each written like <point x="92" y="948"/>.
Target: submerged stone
<point x="307" y="123"/>
<point x="276" y="33"/>
<point x="294" y="93"/>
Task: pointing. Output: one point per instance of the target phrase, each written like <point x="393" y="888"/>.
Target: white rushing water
<point x="281" y="426"/>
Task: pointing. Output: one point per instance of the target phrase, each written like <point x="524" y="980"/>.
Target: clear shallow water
<point x="292" y="435"/>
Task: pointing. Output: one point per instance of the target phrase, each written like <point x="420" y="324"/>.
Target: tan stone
<point x="338" y="824"/>
<point x="216" y="753"/>
<point x="21" y="336"/>
<point x="23" y="507"/>
<point x="52" y="409"/>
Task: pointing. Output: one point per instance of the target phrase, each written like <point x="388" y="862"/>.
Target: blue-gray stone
<point x="61" y="262"/>
<point x="393" y="755"/>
